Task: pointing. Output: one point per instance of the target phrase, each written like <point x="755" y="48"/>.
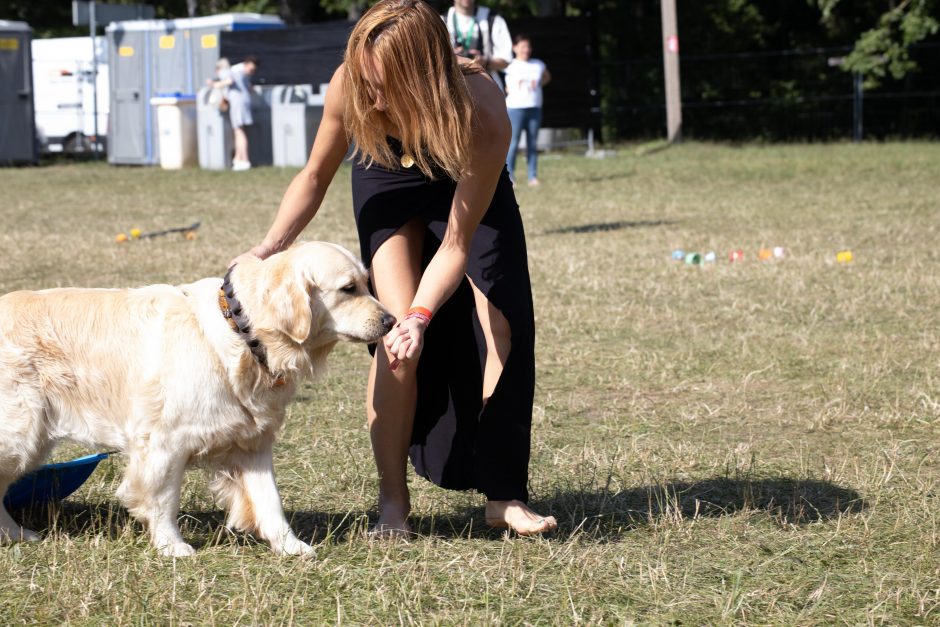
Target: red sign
<point x="672" y="44"/>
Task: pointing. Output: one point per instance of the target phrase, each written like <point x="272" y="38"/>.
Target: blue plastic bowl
<point x="51" y="482"/>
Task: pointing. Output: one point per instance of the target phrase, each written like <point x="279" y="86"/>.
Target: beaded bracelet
<point x="421" y="313"/>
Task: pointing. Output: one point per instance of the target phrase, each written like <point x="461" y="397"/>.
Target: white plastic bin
<point x="214" y="132"/>
<point x="176" y="125"/>
<point x="295" y="116"/>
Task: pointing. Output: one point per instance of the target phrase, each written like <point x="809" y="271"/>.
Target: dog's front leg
<point x="151" y="492"/>
<point x="246" y="487"/>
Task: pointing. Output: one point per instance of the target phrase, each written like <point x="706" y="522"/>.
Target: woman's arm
<point x="306" y="191"/>
<point x="546" y="76"/>
<point x="473" y="195"/>
<point x="472" y="198"/>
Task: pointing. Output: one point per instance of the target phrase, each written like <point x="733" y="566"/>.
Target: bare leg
<point x="514" y="514"/>
<point x="392" y="395"/>
<point x="241" y="144"/>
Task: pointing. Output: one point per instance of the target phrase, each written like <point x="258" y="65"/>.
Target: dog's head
<point x="307" y="298"/>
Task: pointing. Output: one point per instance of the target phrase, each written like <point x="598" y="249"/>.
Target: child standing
<point x="525" y="78"/>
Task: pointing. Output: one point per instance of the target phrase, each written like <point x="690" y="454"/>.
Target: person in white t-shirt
<point x="479" y="34"/>
<point x="525" y="78"/>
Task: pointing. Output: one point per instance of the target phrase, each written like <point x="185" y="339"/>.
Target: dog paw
<point x="177" y="549"/>
<point x="293" y="546"/>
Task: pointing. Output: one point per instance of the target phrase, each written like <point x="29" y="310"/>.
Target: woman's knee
<point x="396" y="267"/>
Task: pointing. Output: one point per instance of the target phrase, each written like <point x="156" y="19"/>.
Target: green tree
<point x="885" y="49"/>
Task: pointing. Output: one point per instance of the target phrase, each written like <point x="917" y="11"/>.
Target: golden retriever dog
<point x="175" y="376"/>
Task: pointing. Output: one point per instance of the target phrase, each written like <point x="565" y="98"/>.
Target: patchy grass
<point x="740" y="443"/>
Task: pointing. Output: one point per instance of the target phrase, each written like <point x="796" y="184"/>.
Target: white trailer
<point x="64" y="93"/>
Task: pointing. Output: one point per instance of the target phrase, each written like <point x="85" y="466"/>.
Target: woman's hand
<point x="261" y="251"/>
<point x="405" y="341"/>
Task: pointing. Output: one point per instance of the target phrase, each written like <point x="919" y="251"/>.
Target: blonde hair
<point x="424" y="86"/>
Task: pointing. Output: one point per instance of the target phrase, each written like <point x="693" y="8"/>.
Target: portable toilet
<point x="161" y="58"/>
<point x="17" y="122"/>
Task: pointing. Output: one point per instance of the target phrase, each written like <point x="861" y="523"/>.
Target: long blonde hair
<point x="424" y="86"/>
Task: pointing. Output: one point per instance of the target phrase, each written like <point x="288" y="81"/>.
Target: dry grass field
<point x="749" y="443"/>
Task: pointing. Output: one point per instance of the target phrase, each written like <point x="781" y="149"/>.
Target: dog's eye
<point x="349" y="289"/>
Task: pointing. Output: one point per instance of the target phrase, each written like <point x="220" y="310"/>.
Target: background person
<point x="478" y="33"/>
<point x="219" y="82"/>
<point x="238" y="94"/>
<point x="440" y="229"/>
<point x="525" y="78"/>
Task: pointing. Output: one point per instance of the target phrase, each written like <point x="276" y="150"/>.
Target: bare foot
<point x="393" y="520"/>
<point x="517" y="516"/>
<point x="534" y="182"/>
<point x="381" y="531"/>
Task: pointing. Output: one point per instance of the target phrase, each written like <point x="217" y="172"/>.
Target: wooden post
<point x="671" y="66"/>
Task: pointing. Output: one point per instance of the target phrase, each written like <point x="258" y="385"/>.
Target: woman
<point x="525" y="78"/>
<point x="441" y="232"/>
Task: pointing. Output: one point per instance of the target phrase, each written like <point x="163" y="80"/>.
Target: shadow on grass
<point x="608" y="226"/>
<point x="596" y="515"/>
<point x="786" y="501"/>
<point x="600" y="178"/>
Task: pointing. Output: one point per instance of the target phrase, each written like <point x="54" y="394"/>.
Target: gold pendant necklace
<point x="407" y="161"/>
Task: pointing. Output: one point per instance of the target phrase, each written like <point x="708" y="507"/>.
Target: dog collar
<point x="234" y="314"/>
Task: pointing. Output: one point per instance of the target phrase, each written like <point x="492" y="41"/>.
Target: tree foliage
<point x="54" y="17"/>
<point x="884" y="49"/>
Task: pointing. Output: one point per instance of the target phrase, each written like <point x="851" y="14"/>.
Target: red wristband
<point x="422" y="313"/>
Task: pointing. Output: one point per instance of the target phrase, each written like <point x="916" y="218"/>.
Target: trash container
<point x="214" y="132"/>
<point x="176" y="126"/>
<point x="216" y="142"/>
<point x="295" y="116"/>
<point x="152" y="57"/>
<point x="259" y="133"/>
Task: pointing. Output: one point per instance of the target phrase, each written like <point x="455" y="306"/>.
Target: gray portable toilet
<point x="295" y="116"/>
<point x="153" y="58"/>
<point x="17" y="117"/>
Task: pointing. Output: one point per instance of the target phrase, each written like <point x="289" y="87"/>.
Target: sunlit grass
<point x="752" y="442"/>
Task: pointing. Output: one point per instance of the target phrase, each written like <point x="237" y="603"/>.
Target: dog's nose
<point x="388" y="321"/>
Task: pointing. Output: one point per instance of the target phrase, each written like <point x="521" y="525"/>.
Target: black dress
<point x="457" y="442"/>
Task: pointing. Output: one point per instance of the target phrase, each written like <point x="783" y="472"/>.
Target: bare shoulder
<point x="488" y="98"/>
<point x="337" y="82"/>
<point x="335" y="102"/>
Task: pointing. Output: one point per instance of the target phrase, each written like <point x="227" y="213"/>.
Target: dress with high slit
<point x="458" y="441"/>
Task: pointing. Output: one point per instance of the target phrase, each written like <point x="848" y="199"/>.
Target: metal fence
<point x="773" y="95"/>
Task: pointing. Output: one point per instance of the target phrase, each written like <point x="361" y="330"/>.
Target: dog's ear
<point x="291" y="301"/>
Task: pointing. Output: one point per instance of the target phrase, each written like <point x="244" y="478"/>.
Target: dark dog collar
<point x="237" y="319"/>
